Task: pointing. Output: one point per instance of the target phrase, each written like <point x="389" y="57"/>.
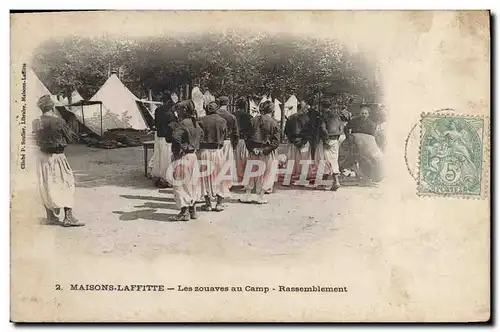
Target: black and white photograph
<point x="250" y="166"/>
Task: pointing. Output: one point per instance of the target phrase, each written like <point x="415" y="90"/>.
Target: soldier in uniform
<point x="262" y="142"/>
<point x="243" y="118"/>
<point x="331" y="123"/>
<point x="230" y="141"/>
<point x="162" y="156"/>
<point x="186" y="139"/>
<point x="211" y="156"/>
<point x="297" y="133"/>
<point x="56" y="183"/>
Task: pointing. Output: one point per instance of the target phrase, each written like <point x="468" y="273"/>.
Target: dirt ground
<point x="349" y="238"/>
<point x="115" y="199"/>
<point x="126" y="215"/>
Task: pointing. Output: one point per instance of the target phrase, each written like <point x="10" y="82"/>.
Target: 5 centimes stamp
<point x="452" y="155"/>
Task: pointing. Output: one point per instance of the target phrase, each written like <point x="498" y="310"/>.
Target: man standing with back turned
<point x="262" y="142"/>
<point x="297" y="132"/>
<point x="243" y="118"/>
<point x="55" y="177"/>
<point x="230" y="141"/>
<point x="211" y="156"/>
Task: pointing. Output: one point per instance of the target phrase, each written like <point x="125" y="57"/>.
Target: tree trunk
<point x="69" y="93"/>
<point x="282" y="125"/>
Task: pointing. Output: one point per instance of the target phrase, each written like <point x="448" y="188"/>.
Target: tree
<point x="233" y="64"/>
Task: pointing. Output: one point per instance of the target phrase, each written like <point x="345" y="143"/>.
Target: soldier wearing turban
<point x="212" y="159"/>
<point x="262" y="141"/>
<point x="186" y="140"/>
<point x="56" y="183"/>
<point x="331" y="122"/>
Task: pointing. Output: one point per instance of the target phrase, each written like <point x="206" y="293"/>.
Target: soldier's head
<point x="365" y="112"/>
<point x="302" y="108"/>
<point x="166" y="97"/>
<point x="241" y="104"/>
<point x="45" y="103"/>
<point x="186" y="109"/>
<point x="266" y="107"/>
<point x="223" y="101"/>
<point x="212" y="107"/>
<point x="168" y="103"/>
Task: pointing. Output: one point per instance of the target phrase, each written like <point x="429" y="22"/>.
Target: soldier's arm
<point x="177" y="140"/>
<point x="69" y="134"/>
<point x="236" y="133"/>
<point x="275" y="140"/>
<point x="287" y="129"/>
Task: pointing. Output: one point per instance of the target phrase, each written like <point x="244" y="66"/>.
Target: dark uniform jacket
<point x="243" y="121"/>
<point x="214" y="131"/>
<point x="232" y="126"/>
<point x="172" y="122"/>
<point x="186" y="137"/>
<point x="361" y="125"/>
<point x="52" y="134"/>
<point x="297" y="129"/>
<point x="161" y="122"/>
<point x="314" y="125"/>
<point x="264" y="134"/>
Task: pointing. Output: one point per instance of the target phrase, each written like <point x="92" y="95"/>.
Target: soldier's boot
<point x="208" y="204"/>
<point x="336" y="182"/>
<point x="182" y="216"/>
<point x="219" y="207"/>
<point x="192" y="212"/>
<point x="70" y="220"/>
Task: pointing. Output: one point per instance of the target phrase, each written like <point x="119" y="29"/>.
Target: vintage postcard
<point x="250" y="166"/>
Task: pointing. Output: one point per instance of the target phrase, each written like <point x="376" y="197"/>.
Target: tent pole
<point x="83" y="116"/>
<point x="150" y="96"/>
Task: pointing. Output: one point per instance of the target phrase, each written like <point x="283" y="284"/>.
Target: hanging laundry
<point x="291" y="106"/>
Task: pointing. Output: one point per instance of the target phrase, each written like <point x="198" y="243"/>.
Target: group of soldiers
<point x="222" y="141"/>
<point x="222" y="146"/>
<point x="233" y="143"/>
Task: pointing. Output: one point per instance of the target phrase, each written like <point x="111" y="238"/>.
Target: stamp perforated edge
<point x="485" y="172"/>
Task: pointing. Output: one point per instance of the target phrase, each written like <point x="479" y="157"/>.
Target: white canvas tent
<point x="75" y="116"/>
<point x="75" y="97"/>
<point x="34" y="90"/>
<point x="120" y="109"/>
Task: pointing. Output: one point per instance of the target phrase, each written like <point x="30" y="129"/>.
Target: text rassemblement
<point x="312" y="289"/>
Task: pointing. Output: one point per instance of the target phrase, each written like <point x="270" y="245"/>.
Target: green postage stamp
<point x="453" y="155"/>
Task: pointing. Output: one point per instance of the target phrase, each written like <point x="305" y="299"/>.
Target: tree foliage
<point x="227" y="64"/>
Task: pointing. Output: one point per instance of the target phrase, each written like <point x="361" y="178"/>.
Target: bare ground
<point x="349" y="238"/>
